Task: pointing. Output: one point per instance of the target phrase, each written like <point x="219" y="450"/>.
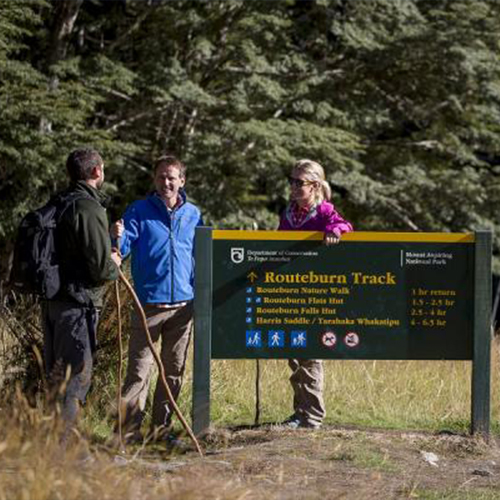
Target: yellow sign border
<point x="236" y="234"/>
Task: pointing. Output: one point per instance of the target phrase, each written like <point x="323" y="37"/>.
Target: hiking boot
<point x="290" y="423"/>
<point x="294" y="422"/>
<point x="175" y="445"/>
<point x="311" y="425"/>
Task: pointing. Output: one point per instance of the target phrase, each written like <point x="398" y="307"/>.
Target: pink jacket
<point x="323" y="217"/>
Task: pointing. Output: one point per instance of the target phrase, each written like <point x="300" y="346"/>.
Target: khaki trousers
<point x="172" y="328"/>
<point x="307" y="384"/>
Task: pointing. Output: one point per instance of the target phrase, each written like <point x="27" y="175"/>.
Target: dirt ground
<point x="269" y="462"/>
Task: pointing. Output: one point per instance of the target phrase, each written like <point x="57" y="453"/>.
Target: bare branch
<point x="401" y="213"/>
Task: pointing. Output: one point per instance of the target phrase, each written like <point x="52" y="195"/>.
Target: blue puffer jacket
<point x="162" y="246"/>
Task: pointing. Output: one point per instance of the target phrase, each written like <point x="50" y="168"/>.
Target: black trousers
<point x="69" y="344"/>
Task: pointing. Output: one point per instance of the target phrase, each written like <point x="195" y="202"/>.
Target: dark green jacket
<point x="84" y="246"/>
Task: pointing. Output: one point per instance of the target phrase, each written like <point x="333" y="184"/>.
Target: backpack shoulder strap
<point x="64" y="200"/>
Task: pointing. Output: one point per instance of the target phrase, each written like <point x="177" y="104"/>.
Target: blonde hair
<point x="313" y="171"/>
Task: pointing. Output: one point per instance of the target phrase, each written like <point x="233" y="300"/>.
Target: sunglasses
<point x="298" y="182"/>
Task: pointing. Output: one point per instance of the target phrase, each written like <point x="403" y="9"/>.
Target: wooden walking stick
<point x="120" y="366"/>
<point x="120" y="354"/>
<point x="161" y="369"/>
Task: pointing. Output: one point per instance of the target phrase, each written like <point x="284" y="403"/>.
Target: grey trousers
<point x="69" y="342"/>
<point x="171" y="328"/>
<point x="307" y="384"/>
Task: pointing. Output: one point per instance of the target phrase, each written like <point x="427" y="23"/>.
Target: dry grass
<point x="428" y="395"/>
<point x="34" y="466"/>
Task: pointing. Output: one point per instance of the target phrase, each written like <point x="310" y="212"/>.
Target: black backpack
<point x="35" y="268"/>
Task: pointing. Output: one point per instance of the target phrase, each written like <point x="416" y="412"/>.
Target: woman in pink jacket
<point x="310" y="210"/>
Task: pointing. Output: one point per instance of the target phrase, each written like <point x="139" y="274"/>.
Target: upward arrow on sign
<point x="252" y="276"/>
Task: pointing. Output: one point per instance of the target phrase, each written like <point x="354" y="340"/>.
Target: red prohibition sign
<point x="329" y="339"/>
<point x="351" y="339"/>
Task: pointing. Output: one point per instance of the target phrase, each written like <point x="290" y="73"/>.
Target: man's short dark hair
<point x="81" y="162"/>
<point x="170" y="161"/>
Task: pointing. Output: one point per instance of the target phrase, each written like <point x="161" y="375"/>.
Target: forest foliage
<point x="398" y="99"/>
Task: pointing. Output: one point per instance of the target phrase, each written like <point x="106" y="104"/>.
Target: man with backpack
<point x="85" y="262"/>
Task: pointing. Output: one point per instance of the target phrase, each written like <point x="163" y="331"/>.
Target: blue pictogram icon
<point x="254" y="338"/>
<point x="249" y="319"/>
<point x="249" y="289"/>
<point x="276" y="338"/>
<point x="258" y="300"/>
<point x="249" y="300"/>
<point x="249" y="310"/>
<point x="298" y="338"/>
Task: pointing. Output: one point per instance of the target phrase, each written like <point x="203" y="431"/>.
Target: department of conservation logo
<point x="237" y="255"/>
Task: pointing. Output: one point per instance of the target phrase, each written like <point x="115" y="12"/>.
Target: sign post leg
<point x="202" y="330"/>
<point x="480" y="422"/>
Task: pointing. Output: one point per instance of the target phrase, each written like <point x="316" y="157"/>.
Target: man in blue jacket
<point x="159" y="233"/>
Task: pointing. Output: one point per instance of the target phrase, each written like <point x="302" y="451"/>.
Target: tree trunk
<point x="65" y="14"/>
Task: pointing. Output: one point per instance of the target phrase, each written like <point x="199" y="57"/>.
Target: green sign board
<point x="365" y="298"/>
<point x="278" y="294"/>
